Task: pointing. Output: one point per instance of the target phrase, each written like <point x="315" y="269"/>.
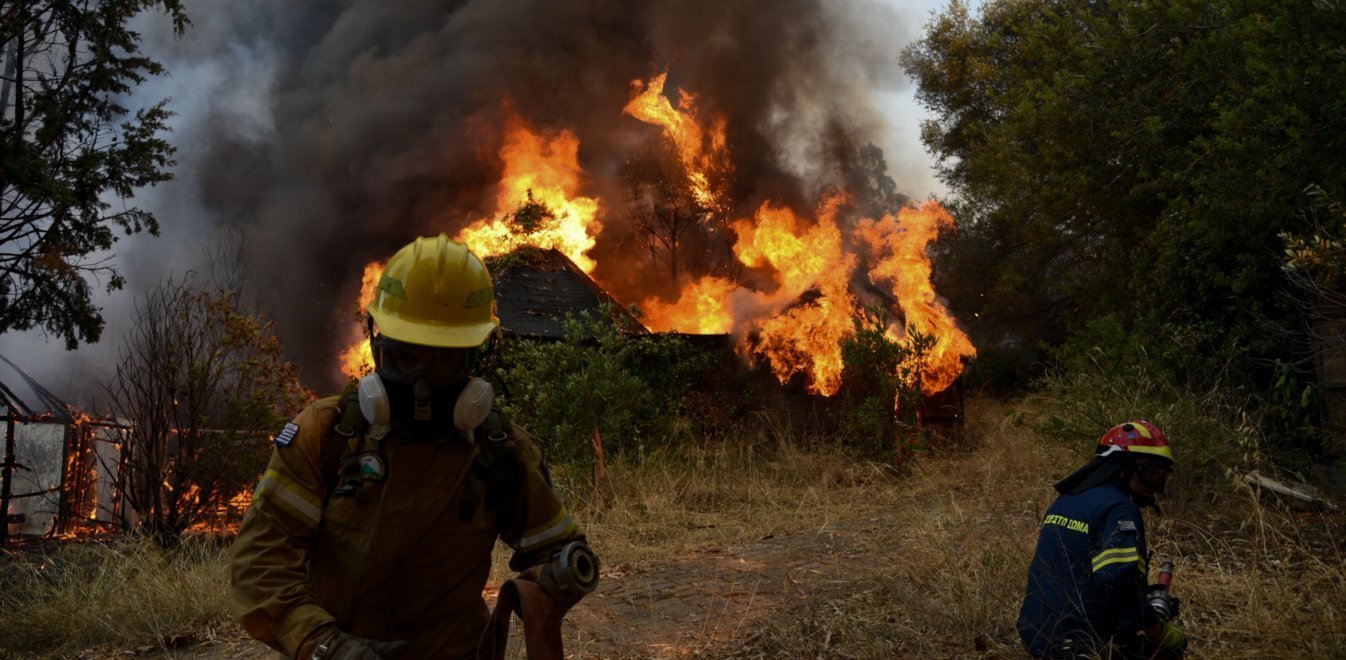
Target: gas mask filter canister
<point x="374" y="401"/>
<point x="473" y="404"/>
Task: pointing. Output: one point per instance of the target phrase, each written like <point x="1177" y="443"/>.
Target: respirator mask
<point x="1154" y="474"/>
<point x="423" y="388"/>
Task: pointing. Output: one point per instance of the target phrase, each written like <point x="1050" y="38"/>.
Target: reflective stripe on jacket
<point x="402" y="562"/>
<point x="1086" y="583"/>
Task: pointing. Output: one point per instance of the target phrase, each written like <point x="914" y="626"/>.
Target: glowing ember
<point x="701" y="150"/>
<point x="900" y="245"/>
<point x="538" y="203"/>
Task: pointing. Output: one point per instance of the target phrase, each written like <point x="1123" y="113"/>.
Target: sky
<point x="234" y="81"/>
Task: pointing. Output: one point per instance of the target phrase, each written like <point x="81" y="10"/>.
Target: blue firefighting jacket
<point x="1086" y="584"/>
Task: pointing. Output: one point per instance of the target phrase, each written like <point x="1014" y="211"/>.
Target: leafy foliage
<point x="202" y="385"/>
<point x="1133" y="161"/>
<point x="531" y="217"/>
<point x="600" y="378"/>
<point x="68" y="148"/>
<point x="1210" y="430"/>
<point x="1319" y="255"/>
<point x="881" y="386"/>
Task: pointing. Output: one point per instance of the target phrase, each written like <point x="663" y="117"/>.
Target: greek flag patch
<point x="287" y="434"/>
<point x="1126" y="526"/>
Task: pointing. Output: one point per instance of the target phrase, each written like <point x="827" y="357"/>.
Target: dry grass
<point x="723" y="494"/>
<point x="1257" y="580"/>
<point x="950" y="554"/>
<point x="88" y="600"/>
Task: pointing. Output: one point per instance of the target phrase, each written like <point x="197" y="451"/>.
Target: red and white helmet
<point x="1138" y="436"/>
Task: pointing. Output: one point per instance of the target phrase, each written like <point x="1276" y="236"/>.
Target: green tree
<point x="1133" y="160"/>
<point x="202" y="384"/>
<point x="71" y="155"/>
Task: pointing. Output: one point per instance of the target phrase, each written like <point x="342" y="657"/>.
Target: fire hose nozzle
<point x="575" y="568"/>
<point x="1159" y="599"/>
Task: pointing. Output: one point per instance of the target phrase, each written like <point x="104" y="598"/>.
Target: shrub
<point x="881" y="387"/>
<point x="1210" y="431"/>
<point x="600" y="378"/>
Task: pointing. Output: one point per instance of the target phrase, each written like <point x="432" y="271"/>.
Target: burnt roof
<point x="536" y="289"/>
<point x="22" y="397"/>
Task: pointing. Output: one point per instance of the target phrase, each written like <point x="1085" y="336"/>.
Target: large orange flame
<point x="702" y="151"/>
<point x="793" y="336"/>
<point x="805" y="337"/>
<point x="900" y="243"/>
<point x="545" y="171"/>
<point x="702" y="308"/>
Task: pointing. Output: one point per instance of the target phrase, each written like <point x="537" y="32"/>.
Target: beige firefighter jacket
<point x="399" y="563"/>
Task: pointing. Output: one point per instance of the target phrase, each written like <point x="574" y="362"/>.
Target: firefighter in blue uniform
<point x="1086" y="593"/>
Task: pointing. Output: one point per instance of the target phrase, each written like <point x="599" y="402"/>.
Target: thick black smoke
<point x="385" y="120"/>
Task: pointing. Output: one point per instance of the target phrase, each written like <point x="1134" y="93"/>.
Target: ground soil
<point x="709" y="604"/>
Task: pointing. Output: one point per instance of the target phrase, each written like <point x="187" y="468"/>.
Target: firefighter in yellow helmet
<point x="370" y="534"/>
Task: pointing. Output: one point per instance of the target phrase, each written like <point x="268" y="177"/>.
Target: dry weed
<point x="1257" y="580"/>
<point x="950" y="536"/>
<point x="129" y="593"/>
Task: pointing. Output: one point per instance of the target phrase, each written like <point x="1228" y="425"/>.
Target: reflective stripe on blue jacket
<point x="1086" y="584"/>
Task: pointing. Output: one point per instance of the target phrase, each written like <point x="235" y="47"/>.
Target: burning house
<point x="781" y="286"/>
<point x="61" y="468"/>
<point x="714" y="164"/>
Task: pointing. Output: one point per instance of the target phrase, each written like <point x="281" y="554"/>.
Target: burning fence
<point x="787" y="284"/>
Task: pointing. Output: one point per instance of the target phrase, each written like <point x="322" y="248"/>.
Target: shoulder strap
<point x="351" y="424"/>
<point x="497" y="470"/>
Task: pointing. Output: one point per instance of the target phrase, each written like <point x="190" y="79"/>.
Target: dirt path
<point x="719" y="599"/>
<point x="703" y="604"/>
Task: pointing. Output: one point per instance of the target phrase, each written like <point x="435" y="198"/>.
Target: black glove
<point x="330" y="643"/>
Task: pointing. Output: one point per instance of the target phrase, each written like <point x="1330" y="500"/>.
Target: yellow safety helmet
<point x="435" y="292"/>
